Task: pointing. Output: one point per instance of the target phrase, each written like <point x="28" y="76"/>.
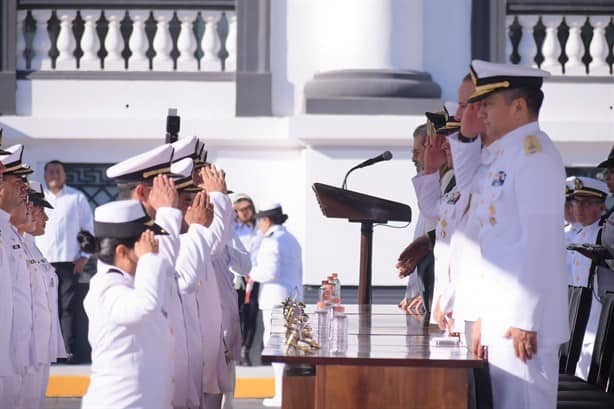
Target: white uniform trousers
<point x="278" y="369"/>
<point x="228" y="398"/>
<point x="523" y="385"/>
<point x="31" y="394"/>
<point x="10" y="391"/>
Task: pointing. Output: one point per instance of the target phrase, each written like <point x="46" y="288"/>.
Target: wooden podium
<point x="366" y="210"/>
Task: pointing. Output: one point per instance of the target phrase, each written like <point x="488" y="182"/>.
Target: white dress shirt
<point x="71" y="213"/>
<point x="279" y="267"/>
<point x="128" y="332"/>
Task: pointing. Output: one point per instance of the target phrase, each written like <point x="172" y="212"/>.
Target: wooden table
<point x="389" y="363"/>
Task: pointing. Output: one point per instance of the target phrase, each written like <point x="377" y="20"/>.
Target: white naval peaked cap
<point x="451" y="108"/>
<point x="590" y="187"/>
<point x="235" y="197"/>
<point x="36" y="187"/>
<point x="570" y="184"/>
<point x="12" y="162"/>
<point x="142" y="167"/>
<point x="123" y="219"/>
<point x="489" y="77"/>
<point x="272" y="209"/>
<point x="182" y="171"/>
<point x="185" y="148"/>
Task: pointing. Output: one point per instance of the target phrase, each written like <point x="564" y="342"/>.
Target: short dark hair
<point x="533" y="97"/>
<point x="420" y="131"/>
<point x="103" y="247"/>
<point x="278" y="218"/>
<point x="124" y="190"/>
<point x="55" y="162"/>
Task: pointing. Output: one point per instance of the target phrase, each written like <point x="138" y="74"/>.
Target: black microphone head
<point x="387" y="155"/>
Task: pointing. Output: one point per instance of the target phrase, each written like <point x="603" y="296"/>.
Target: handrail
<point x="127" y="4"/>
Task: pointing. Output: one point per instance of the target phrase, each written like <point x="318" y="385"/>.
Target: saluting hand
<point x="434" y="155"/>
<point x="146" y="244"/>
<point x="163" y="193"/>
<point x="201" y="210"/>
<point x="471" y="124"/>
<point x="525" y="342"/>
<point x="213" y="180"/>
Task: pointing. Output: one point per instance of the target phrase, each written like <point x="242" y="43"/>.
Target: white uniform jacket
<point x="521" y="182"/>
<point x="193" y="257"/>
<point x="6" y="306"/>
<point x="229" y="259"/>
<point x="21" y="329"/>
<point x="448" y="208"/>
<point x="171" y="220"/>
<point x="279" y="268"/>
<point x="128" y="332"/>
<point x="41" y="315"/>
<point x="216" y="376"/>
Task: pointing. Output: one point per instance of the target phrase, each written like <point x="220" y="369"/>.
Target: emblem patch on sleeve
<point x="499" y="179"/>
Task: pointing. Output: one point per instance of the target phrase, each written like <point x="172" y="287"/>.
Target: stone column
<point x="370" y="59"/>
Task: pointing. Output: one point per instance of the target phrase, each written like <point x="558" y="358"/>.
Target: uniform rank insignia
<point x="499" y="179"/>
<point x="531" y="145"/>
<point x="16" y="246"/>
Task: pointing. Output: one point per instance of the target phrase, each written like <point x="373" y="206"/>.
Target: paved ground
<point x="66" y="403"/>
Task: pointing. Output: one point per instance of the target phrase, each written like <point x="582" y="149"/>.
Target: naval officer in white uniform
<point x="588" y="201"/>
<point x="128" y="332"/>
<point x="279" y="270"/>
<point x="521" y="181"/>
<point x="17" y="375"/>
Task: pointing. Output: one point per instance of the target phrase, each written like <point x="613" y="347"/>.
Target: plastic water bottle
<point x="337" y="284"/>
<point x="339" y="336"/>
<point x="321" y="323"/>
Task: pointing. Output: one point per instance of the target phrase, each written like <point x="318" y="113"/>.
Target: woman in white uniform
<point x="128" y="332"/>
<point x="279" y="270"/>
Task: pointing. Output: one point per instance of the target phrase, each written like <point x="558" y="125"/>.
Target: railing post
<point x="8" y="57"/>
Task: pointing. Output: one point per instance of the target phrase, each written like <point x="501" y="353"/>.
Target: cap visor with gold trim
<point x="489" y="77"/>
<point x="184" y="181"/>
<point x="12" y="162"/>
<point x="590" y="187"/>
<point x="143" y="167"/>
<point x="123" y="219"/>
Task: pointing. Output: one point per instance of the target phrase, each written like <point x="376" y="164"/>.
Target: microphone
<point x="384" y="156"/>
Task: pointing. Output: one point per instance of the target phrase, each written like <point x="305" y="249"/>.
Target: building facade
<point x="286" y="93"/>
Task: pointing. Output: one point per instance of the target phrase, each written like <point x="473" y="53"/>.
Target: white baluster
<point x="114" y="43"/>
<point x="66" y="41"/>
<point x="574" y="47"/>
<point x="21" y="40"/>
<point x="90" y="44"/>
<point x="231" y="42"/>
<point x="527" y="49"/>
<point x="162" y="42"/>
<point x="551" y="49"/>
<point x="186" y="43"/>
<point x="138" y="41"/>
<point x="211" y="44"/>
<point x="599" y="47"/>
<point x="41" y="42"/>
<point x="509" y="20"/>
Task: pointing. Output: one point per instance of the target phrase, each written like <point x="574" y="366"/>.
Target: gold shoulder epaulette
<point x="531" y="145"/>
